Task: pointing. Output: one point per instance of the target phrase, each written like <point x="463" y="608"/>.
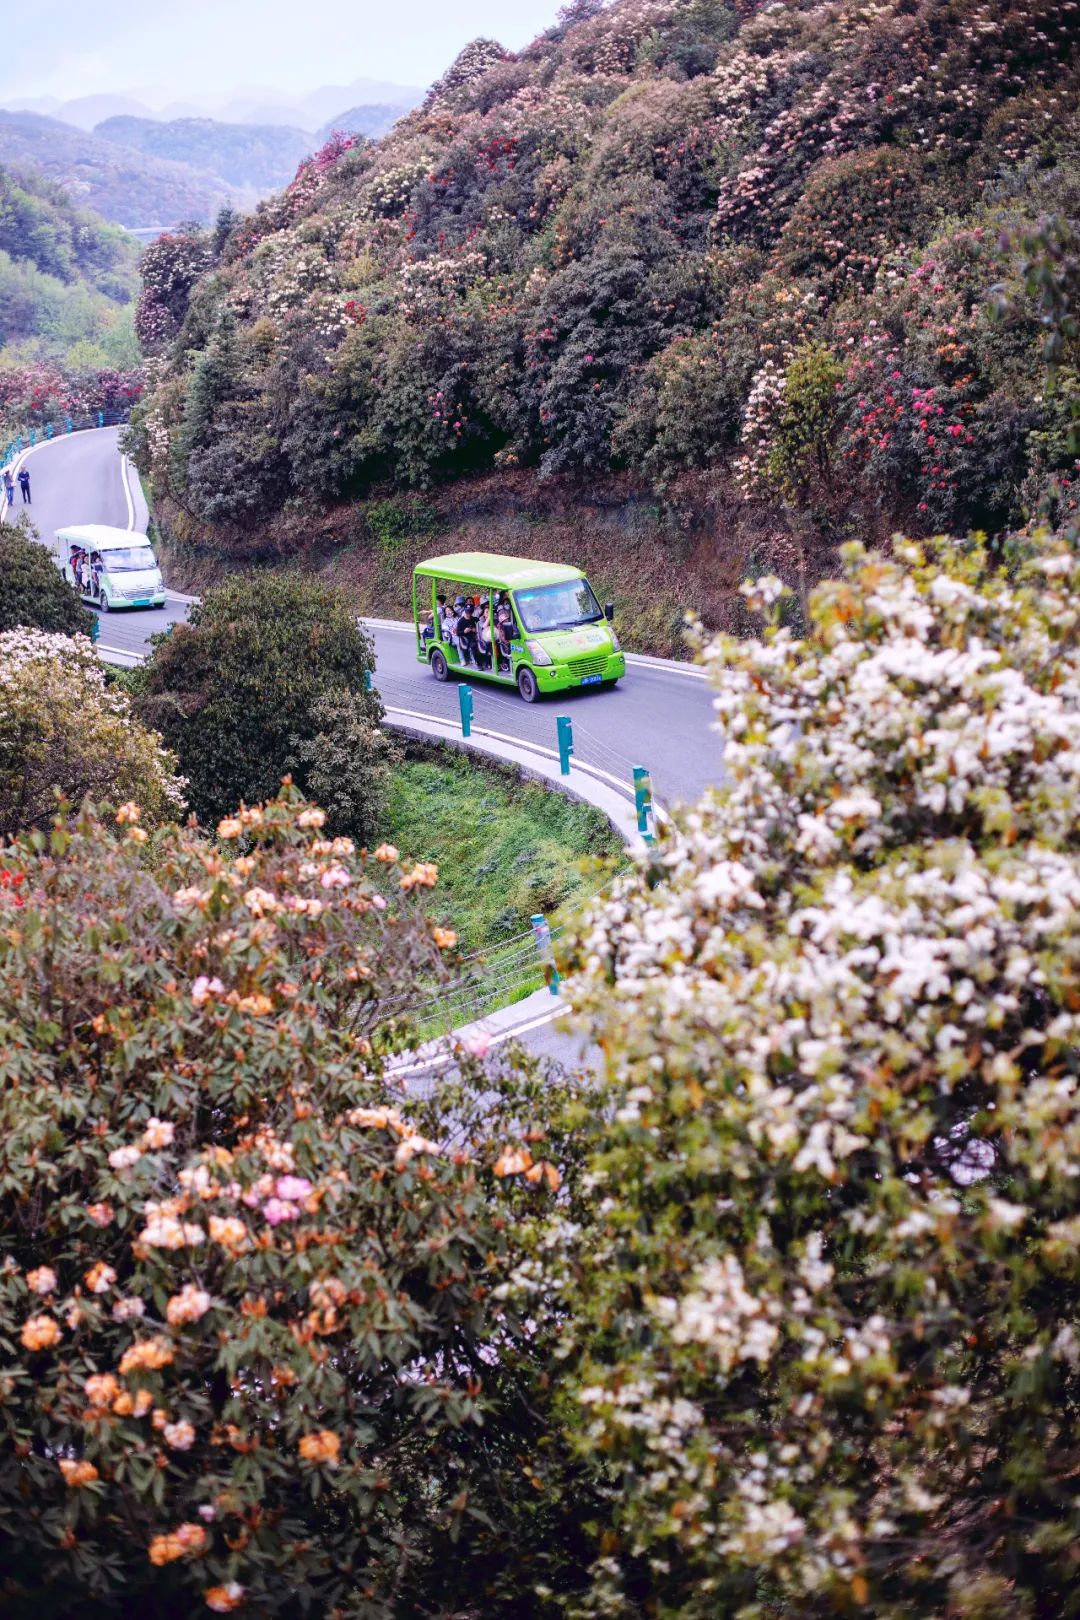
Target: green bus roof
<point x="500" y="573"/>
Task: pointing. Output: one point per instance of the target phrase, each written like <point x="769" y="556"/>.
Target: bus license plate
<point x="591" y="680"/>
<point x="141" y="601"/>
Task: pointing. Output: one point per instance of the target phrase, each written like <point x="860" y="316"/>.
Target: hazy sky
<point x="79" y="47"/>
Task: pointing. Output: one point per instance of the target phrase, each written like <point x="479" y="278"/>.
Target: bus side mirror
<point x="609" y="612"/>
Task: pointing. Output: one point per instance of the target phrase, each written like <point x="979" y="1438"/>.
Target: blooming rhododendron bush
<point x="63" y="729"/>
<point x="253" y="1355"/>
<point x="823" y="1332"/>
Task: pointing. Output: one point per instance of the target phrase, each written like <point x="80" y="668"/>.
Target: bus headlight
<point x="616" y="644"/>
<point x="537" y="653"/>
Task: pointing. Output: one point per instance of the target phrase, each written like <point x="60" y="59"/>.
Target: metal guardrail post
<point x="566" y="742"/>
<point x="542" y="935"/>
<point x="465" y="698"/>
<point x="643" y="802"/>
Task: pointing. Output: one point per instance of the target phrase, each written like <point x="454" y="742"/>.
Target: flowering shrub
<point x="64" y="730"/>
<point x="558" y="241"/>
<point x="822" y="1331"/>
<point x="255" y="1357"/>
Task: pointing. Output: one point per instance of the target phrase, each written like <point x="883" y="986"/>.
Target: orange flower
<point x="445" y="938"/>
<point x="102" y="1389"/>
<point x="77" y="1474"/>
<point x="231" y="827"/>
<point x="188" y="1305"/>
<point x="387" y="854"/>
<point x="100" y="1214"/>
<point x="127" y="813"/>
<point x="229" y="1231"/>
<point x="100" y="1278"/>
<point x="185" y="1541"/>
<point x="224" y="1599"/>
<point x="544" y="1172"/>
<point x="513" y="1162"/>
<point x="123" y="1405"/>
<point x="424" y="875"/>
<point x="257" y="1005"/>
<point x="39" y="1332"/>
<point x="42" y="1280"/>
<point x="146" y="1353"/>
<point x="322" y="1447"/>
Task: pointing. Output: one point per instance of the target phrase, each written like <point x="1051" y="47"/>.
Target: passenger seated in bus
<point x="466" y="632"/>
<point x="427" y="628"/>
<point x="503" y="633"/>
<point x="446" y="623"/>
<point x="483" y="642"/>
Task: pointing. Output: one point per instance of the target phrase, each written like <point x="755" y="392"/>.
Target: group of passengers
<point x="476" y="634"/>
<point x="87" y="569"/>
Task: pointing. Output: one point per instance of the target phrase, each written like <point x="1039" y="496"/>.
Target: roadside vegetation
<point x="505" y="848"/>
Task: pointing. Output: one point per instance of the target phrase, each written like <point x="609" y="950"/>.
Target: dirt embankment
<point x="658" y="558"/>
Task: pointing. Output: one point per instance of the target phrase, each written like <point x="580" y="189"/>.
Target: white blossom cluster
<point x="841" y="1004"/>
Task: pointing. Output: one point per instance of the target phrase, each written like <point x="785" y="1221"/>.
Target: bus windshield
<point x="558" y="607"/>
<point x="129" y="559"/>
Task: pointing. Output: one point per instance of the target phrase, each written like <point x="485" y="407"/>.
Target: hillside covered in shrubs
<point x="762" y="267"/>
<point x="66" y="277"/>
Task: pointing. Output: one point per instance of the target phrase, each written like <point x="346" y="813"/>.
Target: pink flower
<point x="335" y="877"/>
<point x="293" y="1188"/>
<point x="277" y="1211"/>
<point x="204" y="989"/>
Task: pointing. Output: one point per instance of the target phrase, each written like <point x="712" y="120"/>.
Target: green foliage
<point x="347" y="764"/>
<point x="33" y="591"/>
<point x="809" y="420"/>
<point x="67" y="280"/>
<point x="391" y="523"/>
<point x="505" y="849"/>
<point x="65" y="731"/>
<point x="250" y="1309"/>
<point x="237" y="689"/>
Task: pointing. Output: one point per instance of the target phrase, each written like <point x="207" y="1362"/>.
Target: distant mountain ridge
<point x="259" y="105"/>
<point x="124" y="185"/>
<point x="252" y="157"/>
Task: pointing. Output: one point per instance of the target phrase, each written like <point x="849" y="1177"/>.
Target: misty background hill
<point x="143" y="162"/>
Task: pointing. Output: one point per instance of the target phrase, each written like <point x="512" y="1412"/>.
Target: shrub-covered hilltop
<point x="686" y="287"/>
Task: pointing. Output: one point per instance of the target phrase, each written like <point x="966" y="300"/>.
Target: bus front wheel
<point x="439" y="667"/>
<point x="527" y="685"/>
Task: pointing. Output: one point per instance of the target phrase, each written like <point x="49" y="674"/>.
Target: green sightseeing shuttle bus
<point x="533" y="625"/>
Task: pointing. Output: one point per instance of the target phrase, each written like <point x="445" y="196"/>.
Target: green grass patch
<point x="505" y="848"/>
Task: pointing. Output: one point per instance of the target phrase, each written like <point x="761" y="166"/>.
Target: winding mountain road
<point x="659" y="716"/>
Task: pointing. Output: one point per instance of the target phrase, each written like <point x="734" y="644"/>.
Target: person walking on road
<point x="24" y="485"/>
<point x="9" y="487"/>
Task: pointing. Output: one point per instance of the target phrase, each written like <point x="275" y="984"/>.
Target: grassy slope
<point x="505" y="848"/>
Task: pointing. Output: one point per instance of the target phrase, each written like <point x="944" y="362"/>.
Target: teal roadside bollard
<point x="33" y="437"/>
<point x="643" y="801"/>
<point x="101" y="419"/>
<point x="69" y="424"/>
<point x="95" y="630"/>
<point x="465" y="698"/>
<point x="48" y="430"/>
<point x="542" y="935"/>
<point x="369" y="681"/>
<point x="566" y="742"/>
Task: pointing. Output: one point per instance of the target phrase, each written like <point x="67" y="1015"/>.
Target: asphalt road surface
<point x="659" y="716"/>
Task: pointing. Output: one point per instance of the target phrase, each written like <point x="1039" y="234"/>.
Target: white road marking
<point x="127" y="491"/>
